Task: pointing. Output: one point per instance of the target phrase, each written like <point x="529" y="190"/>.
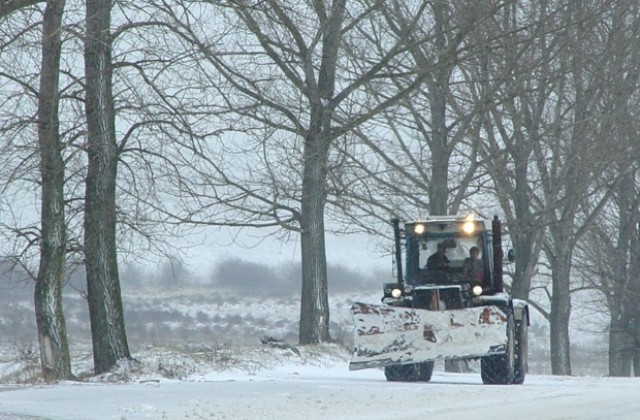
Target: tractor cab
<point x="440" y="273"/>
<point x="455" y="237"/>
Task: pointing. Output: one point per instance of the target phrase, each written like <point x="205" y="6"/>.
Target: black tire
<point x="500" y="369"/>
<point x="414" y="372"/>
<point x="402" y="373"/>
<point x="426" y="370"/>
<point x="521" y="350"/>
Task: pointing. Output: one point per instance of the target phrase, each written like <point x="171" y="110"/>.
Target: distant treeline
<point x="234" y="274"/>
<point x="283" y="279"/>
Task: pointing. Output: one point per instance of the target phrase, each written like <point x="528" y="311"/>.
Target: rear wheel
<point x="500" y="368"/>
<point x="414" y="372"/>
<point x="521" y="350"/>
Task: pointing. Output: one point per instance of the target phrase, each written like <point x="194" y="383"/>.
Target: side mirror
<point x="511" y="256"/>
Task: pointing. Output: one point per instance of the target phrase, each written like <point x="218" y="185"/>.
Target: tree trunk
<point x="314" y="305"/>
<point x="526" y="259"/>
<point x="440" y="155"/>
<point x="439" y="187"/>
<point x="526" y="236"/>
<point x="635" y="273"/>
<point x="103" y="285"/>
<point x="440" y="147"/>
<point x="635" y="328"/>
<point x="560" y="314"/>
<point x="620" y="346"/>
<point x="52" y="334"/>
<point x="621" y="302"/>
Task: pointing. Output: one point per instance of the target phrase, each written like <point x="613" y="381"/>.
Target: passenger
<point x="473" y="268"/>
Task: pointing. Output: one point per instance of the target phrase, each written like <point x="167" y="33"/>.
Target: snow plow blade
<point x="391" y="335"/>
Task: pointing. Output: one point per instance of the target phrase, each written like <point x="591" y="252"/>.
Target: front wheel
<point x="521" y="350"/>
<point x="426" y="370"/>
<point x="414" y="372"/>
<point x="401" y="373"/>
<point x="500" y="369"/>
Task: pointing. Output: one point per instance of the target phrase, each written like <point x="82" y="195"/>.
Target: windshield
<point x="456" y="249"/>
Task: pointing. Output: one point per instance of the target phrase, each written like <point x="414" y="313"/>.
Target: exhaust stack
<point x="396" y="237"/>
<point x="498" y="255"/>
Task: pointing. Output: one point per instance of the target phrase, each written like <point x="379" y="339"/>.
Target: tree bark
<point x="620" y="345"/>
<point x="561" y="301"/>
<point x="52" y="335"/>
<point x="635" y="273"/>
<point x="525" y="230"/>
<point x="103" y="285"/>
<point x="623" y="297"/>
<point x="314" y="304"/>
<point x="440" y="144"/>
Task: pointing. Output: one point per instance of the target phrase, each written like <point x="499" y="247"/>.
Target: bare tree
<point x="620" y="100"/>
<point x="427" y="128"/>
<point x="52" y="335"/>
<point x="541" y="145"/>
<point x="23" y="160"/>
<point x="51" y="237"/>
<point x="575" y="166"/>
<point x="514" y="76"/>
<point x="608" y="259"/>
<point x="282" y="72"/>
<point x="103" y="286"/>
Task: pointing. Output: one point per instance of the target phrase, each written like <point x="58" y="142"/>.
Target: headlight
<point x="469" y="225"/>
<point x="419" y="229"/>
<point x="396" y="293"/>
<point x="477" y="290"/>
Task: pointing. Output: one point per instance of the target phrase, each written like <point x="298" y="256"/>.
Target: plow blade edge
<point x="390" y="335"/>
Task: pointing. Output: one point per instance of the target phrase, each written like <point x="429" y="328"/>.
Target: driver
<point x="439" y="260"/>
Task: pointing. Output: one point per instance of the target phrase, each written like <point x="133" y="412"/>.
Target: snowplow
<point x="449" y="304"/>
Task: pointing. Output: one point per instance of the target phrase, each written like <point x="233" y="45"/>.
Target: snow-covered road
<point x="302" y="392"/>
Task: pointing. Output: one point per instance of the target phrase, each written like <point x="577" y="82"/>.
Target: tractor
<point x="449" y="304"/>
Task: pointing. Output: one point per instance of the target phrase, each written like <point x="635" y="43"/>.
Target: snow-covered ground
<point x="306" y="383"/>
<point x="200" y="357"/>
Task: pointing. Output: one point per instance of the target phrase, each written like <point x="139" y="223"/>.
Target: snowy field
<point x="307" y="383"/>
<point x="200" y="357"/>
